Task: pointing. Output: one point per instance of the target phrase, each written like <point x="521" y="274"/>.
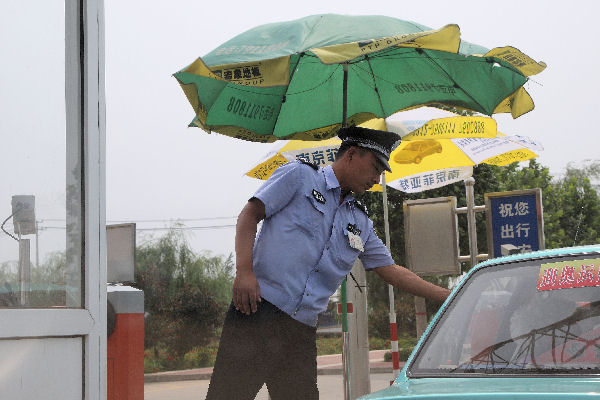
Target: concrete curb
<point x="205" y="373"/>
<point x="168" y="377"/>
<point x="338" y="371"/>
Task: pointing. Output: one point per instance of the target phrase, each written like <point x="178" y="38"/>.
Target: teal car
<point x="525" y="326"/>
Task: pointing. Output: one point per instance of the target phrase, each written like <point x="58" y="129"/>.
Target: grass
<point x="161" y="359"/>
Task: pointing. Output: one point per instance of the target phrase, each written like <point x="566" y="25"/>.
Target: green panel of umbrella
<point x="303" y="79"/>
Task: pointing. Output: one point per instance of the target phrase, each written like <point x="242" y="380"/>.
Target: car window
<point x="505" y="321"/>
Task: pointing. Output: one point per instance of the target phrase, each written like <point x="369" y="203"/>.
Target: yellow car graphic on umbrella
<point x="415" y="151"/>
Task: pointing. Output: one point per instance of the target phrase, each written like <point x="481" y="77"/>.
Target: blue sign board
<point x="514" y="218"/>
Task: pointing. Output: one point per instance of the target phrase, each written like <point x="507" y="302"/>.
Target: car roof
<point x="563" y="251"/>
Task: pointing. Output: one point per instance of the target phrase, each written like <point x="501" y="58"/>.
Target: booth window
<point x="41" y="163"/>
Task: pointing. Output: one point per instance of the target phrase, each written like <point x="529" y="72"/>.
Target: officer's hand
<point x="246" y="292"/>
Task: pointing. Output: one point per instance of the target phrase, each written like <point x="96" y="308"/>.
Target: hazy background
<point x="158" y="171"/>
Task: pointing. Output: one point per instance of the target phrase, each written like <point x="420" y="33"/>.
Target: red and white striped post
<point x="421" y="315"/>
<point x="393" y="336"/>
<point x="393" y="326"/>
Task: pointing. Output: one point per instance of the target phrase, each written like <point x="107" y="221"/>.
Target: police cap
<point x="380" y="143"/>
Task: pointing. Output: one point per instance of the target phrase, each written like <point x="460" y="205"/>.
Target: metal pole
<point x="470" y="192"/>
<point x="393" y="326"/>
<point x="421" y="315"/>
<point x="345" y="343"/>
<point x="344" y="117"/>
<point x="37" y="246"/>
<point x="386" y="224"/>
<point x="24" y="271"/>
<point x="345" y="335"/>
<point x="358" y="332"/>
<point x="345" y="95"/>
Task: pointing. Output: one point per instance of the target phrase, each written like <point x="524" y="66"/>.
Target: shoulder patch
<point x="361" y="207"/>
<point x="304" y="161"/>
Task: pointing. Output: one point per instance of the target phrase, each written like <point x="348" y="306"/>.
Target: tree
<point x="47" y="286"/>
<point x="576" y="208"/>
<point x="185" y="294"/>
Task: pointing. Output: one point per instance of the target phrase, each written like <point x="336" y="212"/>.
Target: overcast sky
<point x="160" y="170"/>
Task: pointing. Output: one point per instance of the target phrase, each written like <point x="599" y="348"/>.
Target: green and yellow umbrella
<point x="304" y="79"/>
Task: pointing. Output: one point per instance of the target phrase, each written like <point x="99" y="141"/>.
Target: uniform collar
<point x="330" y="178"/>
<point x="332" y="182"/>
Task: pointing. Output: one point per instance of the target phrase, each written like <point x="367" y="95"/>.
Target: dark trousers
<point x="265" y="347"/>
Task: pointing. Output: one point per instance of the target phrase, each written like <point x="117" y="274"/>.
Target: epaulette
<point x="304" y="161"/>
<point x="361" y="207"/>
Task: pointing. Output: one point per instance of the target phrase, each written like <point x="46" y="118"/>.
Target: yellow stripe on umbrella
<point x="320" y="153"/>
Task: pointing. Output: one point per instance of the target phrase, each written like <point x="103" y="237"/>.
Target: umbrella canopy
<point x="303" y="79"/>
<point x="434" y="154"/>
<point x="319" y="153"/>
<point x="444" y="151"/>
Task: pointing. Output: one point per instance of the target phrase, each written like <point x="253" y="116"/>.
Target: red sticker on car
<point x="569" y="274"/>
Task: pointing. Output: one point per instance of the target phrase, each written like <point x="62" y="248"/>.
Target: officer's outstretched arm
<point x="246" y="291"/>
<point x="406" y="280"/>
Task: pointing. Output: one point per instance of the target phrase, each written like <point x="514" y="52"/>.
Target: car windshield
<point x="505" y="321"/>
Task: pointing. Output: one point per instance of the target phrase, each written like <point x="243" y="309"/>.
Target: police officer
<point x="313" y="230"/>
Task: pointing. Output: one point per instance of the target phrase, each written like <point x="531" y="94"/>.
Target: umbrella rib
<point x="375" y="85"/>
<point x="247" y="88"/>
<point x="440" y="68"/>
<point x="319" y="84"/>
<point x="312" y="29"/>
<point x="288" y="86"/>
<point x="450" y="77"/>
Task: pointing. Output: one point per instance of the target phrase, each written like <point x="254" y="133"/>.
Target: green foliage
<point x="161" y="358"/>
<point x="403" y="354"/>
<point x="406" y="344"/>
<point x="157" y="359"/>
<point x="377" y="343"/>
<point x="200" y="357"/>
<point x="329" y="345"/>
<point x="186" y="295"/>
<point x="577" y="209"/>
<point x="332" y="343"/>
<point x="50" y="272"/>
<point x="47" y="285"/>
<point x="8" y="272"/>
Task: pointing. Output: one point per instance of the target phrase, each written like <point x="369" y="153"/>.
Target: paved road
<point x="330" y="388"/>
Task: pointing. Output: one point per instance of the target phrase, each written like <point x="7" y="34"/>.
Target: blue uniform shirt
<point x="302" y="252"/>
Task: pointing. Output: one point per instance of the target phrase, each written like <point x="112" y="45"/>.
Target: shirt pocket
<point x="343" y="252"/>
<point x="309" y="213"/>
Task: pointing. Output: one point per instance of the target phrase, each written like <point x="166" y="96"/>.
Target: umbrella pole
<point x="345" y="95"/>
<point x="393" y="326"/>
<point x="345" y="342"/>
<point x="345" y="333"/>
